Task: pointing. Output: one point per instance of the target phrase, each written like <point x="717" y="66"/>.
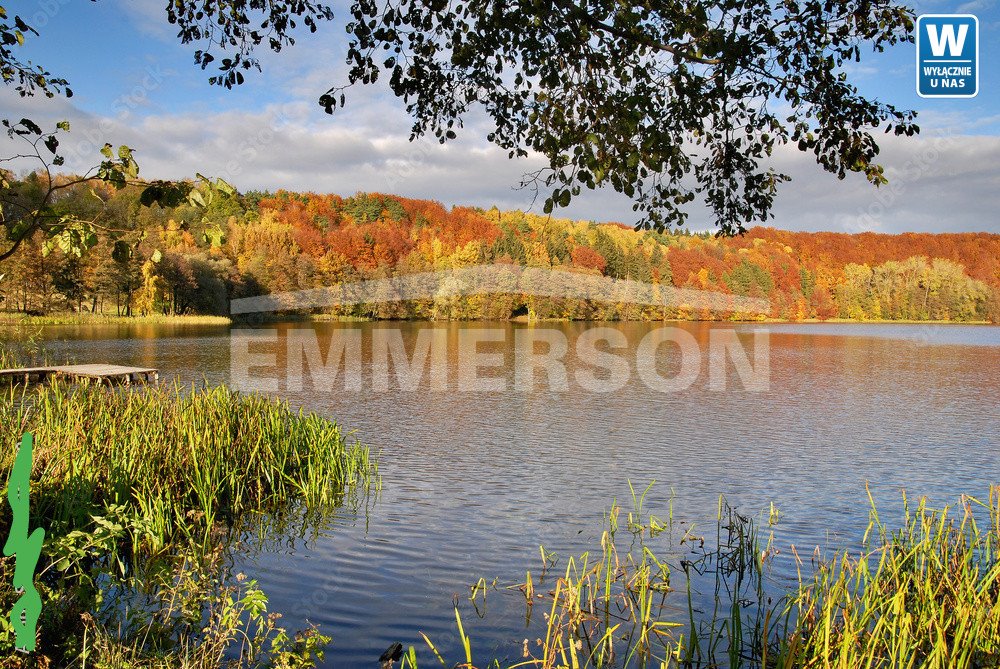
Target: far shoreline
<point x="18" y="319"/>
<point x="12" y="319"/>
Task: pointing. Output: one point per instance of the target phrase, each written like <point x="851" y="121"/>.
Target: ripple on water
<point x="475" y="482"/>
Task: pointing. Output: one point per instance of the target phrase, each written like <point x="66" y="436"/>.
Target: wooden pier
<point x="110" y="374"/>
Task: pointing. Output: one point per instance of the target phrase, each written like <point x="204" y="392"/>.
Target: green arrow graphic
<point x="26" y="549"/>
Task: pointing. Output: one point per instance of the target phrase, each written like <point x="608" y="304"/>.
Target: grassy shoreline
<point x="18" y="319"/>
<point x="144" y="494"/>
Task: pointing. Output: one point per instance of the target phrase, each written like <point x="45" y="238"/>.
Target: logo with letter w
<point x="947" y="56"/>
<point x="947" y="38"/>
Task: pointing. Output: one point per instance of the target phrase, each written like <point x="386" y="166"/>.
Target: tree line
<point x="188" y="259"/>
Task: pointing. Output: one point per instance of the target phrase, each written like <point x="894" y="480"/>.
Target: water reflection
<point x="475" y="482"/>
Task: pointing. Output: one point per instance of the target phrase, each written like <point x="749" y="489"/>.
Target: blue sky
<point x="135" y="83"/>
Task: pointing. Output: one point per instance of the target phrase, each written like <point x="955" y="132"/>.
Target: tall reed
<point x="924" y="595"/>
<point x="139" y="490"/>
<point x="181" y="460"/>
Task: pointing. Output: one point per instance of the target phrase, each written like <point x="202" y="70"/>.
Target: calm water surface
<point x="473" y="483"/>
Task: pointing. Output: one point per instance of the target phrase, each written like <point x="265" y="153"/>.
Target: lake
<point x="474" y="482"/>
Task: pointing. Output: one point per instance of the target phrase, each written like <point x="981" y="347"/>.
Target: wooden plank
<point x="25" y="370"/>
<point x="98" y="371"/>
<point x="101" y="372"/>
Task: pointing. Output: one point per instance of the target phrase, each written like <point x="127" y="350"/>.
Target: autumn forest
<point x="194" y="260"/>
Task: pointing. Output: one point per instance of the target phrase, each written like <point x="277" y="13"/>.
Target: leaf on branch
<point x="214" y="235"/>
<point x="121" y="252"/>
<point x="30" y="126"/>
<point x="165" y="193"/>
<point x="225" y="187"/>
<point x="196" y="199"/>
<point x="73" y="236"/>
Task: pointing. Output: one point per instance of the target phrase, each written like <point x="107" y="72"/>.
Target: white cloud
<point x="937" y="183"/>
<point x="974" y="6"/>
